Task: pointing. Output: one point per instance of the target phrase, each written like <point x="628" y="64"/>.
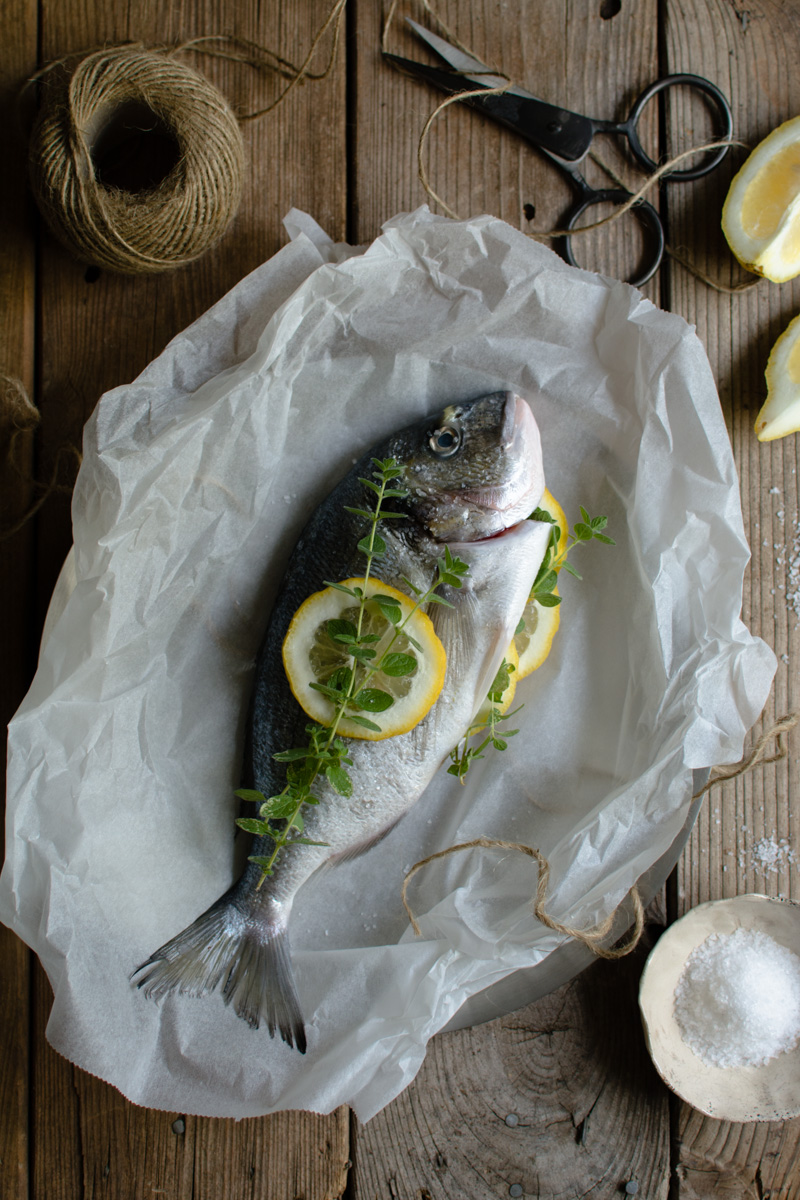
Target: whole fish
<point x="473" y="474"/>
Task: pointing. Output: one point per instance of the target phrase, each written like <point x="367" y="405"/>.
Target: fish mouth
<point x="513" y="501"/>
<point x="508" y="531"/>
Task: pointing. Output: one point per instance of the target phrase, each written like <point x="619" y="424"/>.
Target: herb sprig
<point x="352" y="688"/>
<point x="585" y="530"/>
<point x="543" y="592"/>
<point x="464" y="755"/>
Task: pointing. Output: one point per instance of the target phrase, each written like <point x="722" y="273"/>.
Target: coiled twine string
<point x="198" y="150"/>
<point x="162" y="226"/>
<point x="596" y="938"/>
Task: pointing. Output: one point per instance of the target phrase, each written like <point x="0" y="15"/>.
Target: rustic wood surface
<point x="559" y="1099"/>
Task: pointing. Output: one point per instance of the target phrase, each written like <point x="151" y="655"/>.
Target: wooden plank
<point x="567" y="56"/>
<point x="88" y="1140"/>
<point x="97" y="332"/>
<point x="18" y="27"/>
<point x="581" y="1126"/>
<point x="745" y="838"/>
<point x="558" y="1099"/>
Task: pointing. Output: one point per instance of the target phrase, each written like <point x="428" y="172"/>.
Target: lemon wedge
<point x="761" y="214"/>
<point x="312" y="656"/>
<point x="780" y="413"/>
<point x="534" y="641"/>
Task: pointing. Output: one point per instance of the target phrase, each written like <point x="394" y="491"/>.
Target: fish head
<point x="473" y="469"/>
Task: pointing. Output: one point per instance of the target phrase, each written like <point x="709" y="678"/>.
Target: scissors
<point x="565" y="137"/>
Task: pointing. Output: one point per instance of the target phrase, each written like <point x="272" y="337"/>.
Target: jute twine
<point x="20" y="416"/>
<point x="594" y="938"/>
<point x="136" y="232"/>
<point x="619" y="211"/>
<point x="183" y="215"/>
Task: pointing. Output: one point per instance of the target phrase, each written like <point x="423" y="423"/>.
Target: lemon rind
<point x="431" y="666"/>
<point x="761" y="255"/>
<point x="780" y="413"/>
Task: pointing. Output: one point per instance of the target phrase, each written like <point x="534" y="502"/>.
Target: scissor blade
<point x="564" y="135"/>
<point x="458" y="59"/>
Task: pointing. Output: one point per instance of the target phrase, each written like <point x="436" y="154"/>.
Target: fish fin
<point x="250" y="959"/>
<point x="359" y="848"/>
<point x="456" y="628"/>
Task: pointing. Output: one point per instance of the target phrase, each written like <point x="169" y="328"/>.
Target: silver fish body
<point x="473" y="474"/>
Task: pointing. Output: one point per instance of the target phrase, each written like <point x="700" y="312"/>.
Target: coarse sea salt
<point x="737" y="1002"/>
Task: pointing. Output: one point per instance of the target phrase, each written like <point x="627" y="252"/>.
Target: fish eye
<point x="445" y="441"/>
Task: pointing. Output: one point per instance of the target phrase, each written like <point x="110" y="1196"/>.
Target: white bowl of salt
<point x="720" y="1003"/>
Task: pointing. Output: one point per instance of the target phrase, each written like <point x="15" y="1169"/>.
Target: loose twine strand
<point x="595" y="937"/>
<point x="177" y="220"/>
<point x="545" y="234"/>
<point x="18" y="418"/>
<point x="165" y="226"/>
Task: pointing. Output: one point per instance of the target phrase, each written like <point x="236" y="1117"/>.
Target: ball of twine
<point x="167" y="224"/>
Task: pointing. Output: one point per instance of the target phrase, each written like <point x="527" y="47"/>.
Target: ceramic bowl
<point x="767" y="1093"/>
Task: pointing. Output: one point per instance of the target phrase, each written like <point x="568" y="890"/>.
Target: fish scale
<point x="473" y="474"/>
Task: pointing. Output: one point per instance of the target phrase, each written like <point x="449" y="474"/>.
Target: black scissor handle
<point x="630" y="128"/>
<point x="645" y="213"/>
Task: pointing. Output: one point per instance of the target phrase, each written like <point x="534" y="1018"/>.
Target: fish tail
<point x="250" y="958"/>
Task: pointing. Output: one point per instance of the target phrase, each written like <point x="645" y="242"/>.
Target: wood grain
<point x="568" y="56"/>
<point x="750" y="53"/>
<point x="558" y="1099"/>
<point x="17" y="268"/>
<point x="591" y="1115"/>
<point x="94" y="333"/>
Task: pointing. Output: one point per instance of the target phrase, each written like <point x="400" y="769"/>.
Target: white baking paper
<point x="196" y="480"/>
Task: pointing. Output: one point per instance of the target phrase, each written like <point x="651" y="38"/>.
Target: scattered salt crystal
<point x="737" y="1002"/>
<point x="774" y="491"/>
<point x="770" y="855"/>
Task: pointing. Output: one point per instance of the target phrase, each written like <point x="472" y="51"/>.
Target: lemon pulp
<point x="533" y="642"/>
<point x="780" y="413"/>
<point x="771" y="193"/>
<point x="312" y="656"/>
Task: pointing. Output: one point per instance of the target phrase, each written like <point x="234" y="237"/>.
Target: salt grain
<point x="769" y="855"/>
<point x="737" y="1002"/>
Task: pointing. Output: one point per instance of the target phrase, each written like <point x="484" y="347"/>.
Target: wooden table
<point x="560" y="1098"/>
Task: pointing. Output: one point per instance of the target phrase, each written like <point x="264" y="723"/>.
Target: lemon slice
<point x="311" y="655"/>
<point x="505" y="701"/>
<point x="761" y="215"/>
<point x="549" y="503"/>
<point x="780" y="413"/>
<point x="534" y="641"/>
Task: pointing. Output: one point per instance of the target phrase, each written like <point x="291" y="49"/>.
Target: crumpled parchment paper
<point x="196" y="480"/>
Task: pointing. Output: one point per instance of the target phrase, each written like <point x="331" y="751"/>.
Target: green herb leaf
<point x="376" y="549"/>
<point x="251" y="825"/>
<point x="250" y="795"/>
<point x="340" y="630"/>
<point x="389" y="607"/>
<point x="397" y="665"/>
<point x="364" y="723"/>
<point x="362" y="653"/>
<point x="339" y="780"/>
<point x="288" y="756"/>
<point x="340" y="587"/>
<point x="373" y="700"/>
